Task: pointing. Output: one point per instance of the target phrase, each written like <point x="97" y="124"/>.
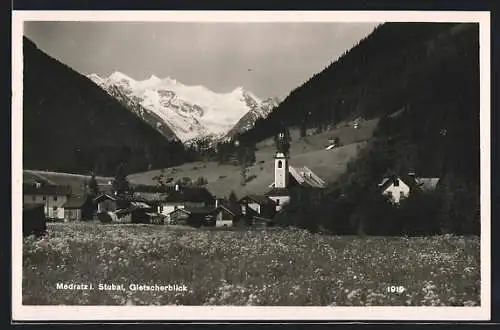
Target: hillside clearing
<point x="310" y="152"/>
<point x="253" y="267"/>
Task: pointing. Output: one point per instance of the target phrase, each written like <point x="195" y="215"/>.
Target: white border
<point x="165" y="313"/>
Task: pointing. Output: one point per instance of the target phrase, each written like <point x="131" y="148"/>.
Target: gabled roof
<point x="134" y="198"/>
<point x="75" y="202"/>
<point x="44" y="189"/>
<point x="427" y="183"/>
<point x="303" y="176"/>
<point x="198" y="210"/>
<point x="179" y="210"/>
<point x="189" y="194"/>
<point x="225" y="208"/>
<point x="278" y="192"/>
<point x="141" y="188"/>
<point x="412" y="182"/>
<point x="31" y="177"/>
<point x="102" y="197"/>
<point x="259" y="199"/>
<point x="132" y="208"/>
<point x="151" y="196"/>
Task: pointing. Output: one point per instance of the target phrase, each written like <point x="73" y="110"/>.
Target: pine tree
<point x="93" y="187"/>
<point x="233" y="205"/>
<point x="121" y="185"/>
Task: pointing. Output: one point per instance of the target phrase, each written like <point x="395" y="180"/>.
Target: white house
<point x="182" y="197"/>
<point x="397" y="187"/>
<point x="394" y="188"/>
<point x="53" y="197"/>
<point x="257" y="205"/>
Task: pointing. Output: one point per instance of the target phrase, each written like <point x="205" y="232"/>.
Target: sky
<point x="268" y="59"/>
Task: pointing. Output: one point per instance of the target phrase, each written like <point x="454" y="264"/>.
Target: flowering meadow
<point x="246" y="267"/>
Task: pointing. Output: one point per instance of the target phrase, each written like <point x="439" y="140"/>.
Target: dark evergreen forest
<point x="72" y="125"/>
<point x="422" y="81"/>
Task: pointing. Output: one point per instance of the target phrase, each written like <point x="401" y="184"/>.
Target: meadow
<point x="285" y="267"/>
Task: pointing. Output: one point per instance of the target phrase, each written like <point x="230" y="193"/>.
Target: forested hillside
<point x="72" y="125"/>
<point x="422" y="80"/>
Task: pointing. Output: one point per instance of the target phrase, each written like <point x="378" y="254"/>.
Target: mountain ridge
<point x="71" y="125"/>
<point x="189" y="112"/>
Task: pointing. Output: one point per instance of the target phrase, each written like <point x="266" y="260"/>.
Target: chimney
<point x="411" y="174"/>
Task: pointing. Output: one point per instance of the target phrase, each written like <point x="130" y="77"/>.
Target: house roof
<point x="304" y="176"/>
<point x="132" y="198"/>
<point x="77" y="182"/>
<point x="189" y="194"/>
<point x="419" y="183"/>
<point x="179" y="210"/>
<point x="44" y="189"/>
<point x="259" y="199"/>
<point x="132" y="208"/>
<point x="142" y="188"/>
<point x="278" y="192"/>
<point x="199" y="210"/>
<point x="140" y="205"/>
<point x="75" y="202"/>
<point x="151" y="196"/>
<point x="223" y="207"/>
<point x="31" y="177"/>
<point x="102" y="197"/>
<point x="427" y="183"/>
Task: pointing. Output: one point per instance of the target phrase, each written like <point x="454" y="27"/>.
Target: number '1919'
<point x="395" y="289"/>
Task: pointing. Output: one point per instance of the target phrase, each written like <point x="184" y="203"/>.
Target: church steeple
<point x="281" y="170"/>
<point x="281" y="173"/>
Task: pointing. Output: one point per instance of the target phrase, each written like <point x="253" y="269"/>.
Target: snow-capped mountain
<point x="191" y="112"/>
<point x="248" y="120"/>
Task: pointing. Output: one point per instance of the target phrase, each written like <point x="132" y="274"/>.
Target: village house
<point x="136" y="212"/>
<point x="189" y="216"/>
<point x="178" y="216"/>
<point x="252" y="205"/>
<point x="182" y="197"/>
<point x="155" y="195"/>
<point x="78" y="208"/>
<point x="105" y="203"/>
<point x="225" y="217"/>
<point x="397" y="187"/>
<point x="52" y="197"/>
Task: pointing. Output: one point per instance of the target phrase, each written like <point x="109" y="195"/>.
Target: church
<point x="287" y="177"/>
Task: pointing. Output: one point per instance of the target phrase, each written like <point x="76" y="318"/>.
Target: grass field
<point x="249" y="267"/>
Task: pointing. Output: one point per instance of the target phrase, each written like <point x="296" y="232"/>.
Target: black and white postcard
<point x="251" y="165"/>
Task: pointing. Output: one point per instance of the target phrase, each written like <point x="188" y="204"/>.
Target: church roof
<point x="259" y="199"/>
<point x="278" y="192"/>
<point x="305" y="177"/>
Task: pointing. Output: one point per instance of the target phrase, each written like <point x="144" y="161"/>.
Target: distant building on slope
<point x="397" y="187"/>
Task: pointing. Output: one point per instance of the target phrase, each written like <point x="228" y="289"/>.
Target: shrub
<point x="105" y="217"/>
